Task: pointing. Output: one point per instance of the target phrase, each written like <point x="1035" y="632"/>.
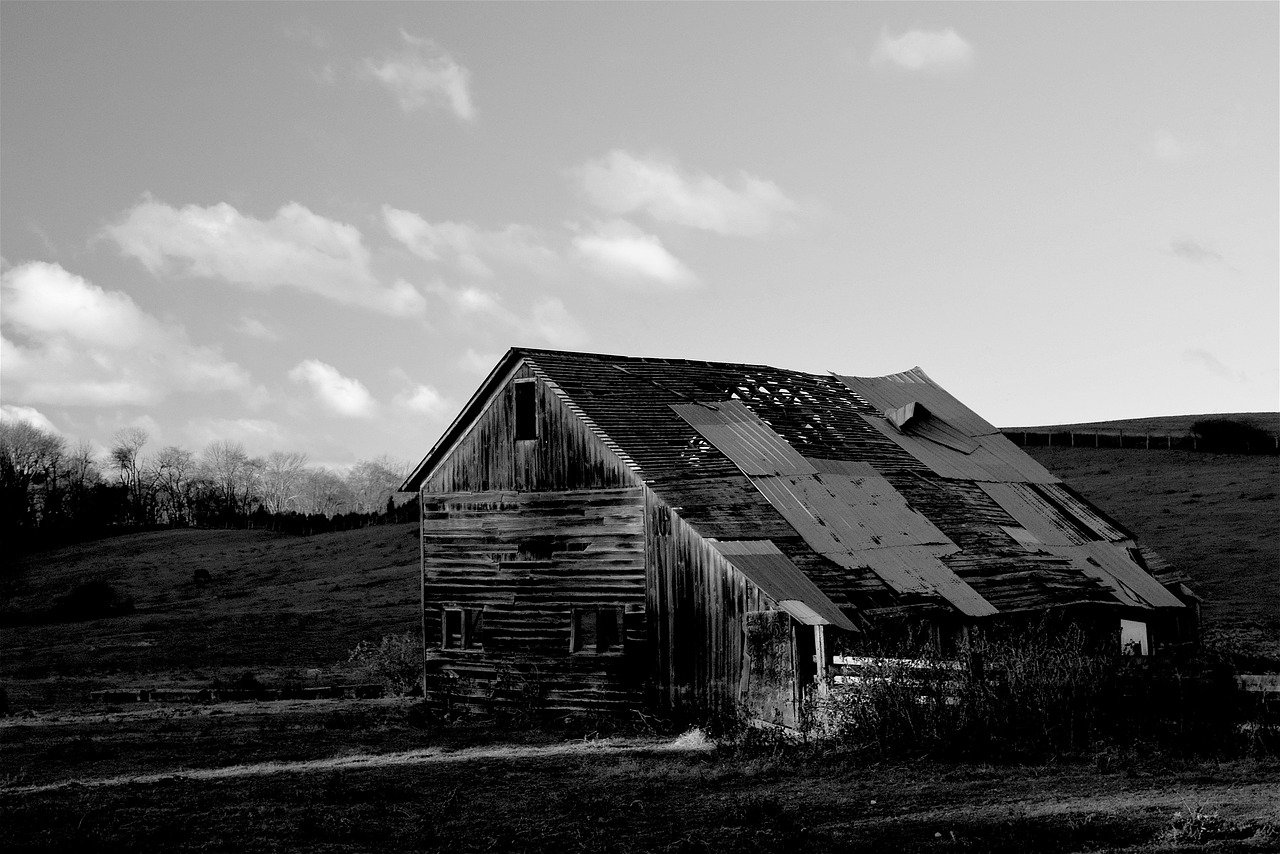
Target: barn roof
<point x="884" y="492"/>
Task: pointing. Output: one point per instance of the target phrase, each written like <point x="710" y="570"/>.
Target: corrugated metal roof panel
<point x="740" y="435"/>
<point x="918" y="569"/>
<point x="995" y="459"/>
<point x="773" y="572"/>
<point x="1033" y="512"/>
<point x="1110" y="563"/>
<point x="838" y="513"/>
<point x="915" y="386"/>
<point x="1084" y="513"/>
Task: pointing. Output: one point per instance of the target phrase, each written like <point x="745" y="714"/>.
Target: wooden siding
<point x="528" y="559"/>
<point x="566" y="454"/>
<point x="697" y="605"/>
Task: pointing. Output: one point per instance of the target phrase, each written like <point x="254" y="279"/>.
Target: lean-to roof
<point x="884" y="492"/>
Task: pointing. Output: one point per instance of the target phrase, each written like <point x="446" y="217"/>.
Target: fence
<point x="1269" y="444"/>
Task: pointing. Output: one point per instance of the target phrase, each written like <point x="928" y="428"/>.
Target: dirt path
<point x="365" y="761"/>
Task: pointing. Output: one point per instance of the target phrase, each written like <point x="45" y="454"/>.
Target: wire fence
<point x="1144" y="440"/>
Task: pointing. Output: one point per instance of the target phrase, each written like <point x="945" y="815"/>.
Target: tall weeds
<point x="1026" y="694"/>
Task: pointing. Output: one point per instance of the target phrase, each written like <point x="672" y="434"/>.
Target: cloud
<point x="1211" y="363"/>
<point x="466" y="246"/>
<point x="624" y="253"/>
<point x="922" y="50"/>
<point x="477" y="363"/>
<point x="422" y="76"/>
<point x="546" y="320"/>
<point x="622" y="183"/>
<point x="254" y="328"/>
<point x="1196" y="253"/>
<point x="423" y="400"/>
<point x="256" y="434"/>
<point x="70" y="342"/>
<point x="30" y="415"/>
<point x="342" y="395"/>
<point x="295" y="249"/>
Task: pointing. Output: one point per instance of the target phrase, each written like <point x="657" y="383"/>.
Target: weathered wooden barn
<point x="603" y="532"/>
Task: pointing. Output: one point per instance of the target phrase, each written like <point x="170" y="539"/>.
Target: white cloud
<point x="422" y="76"/>
<point x="342" y="395"/>
<point x="921" y="50"/>
<point x="70" y="342"/>
<point x="622" y="183"/>
<point x="466" y="245"/>
<point x="256" y="434"/>
<point x="546" y="320"/>
<point x="624" y="253"/>
<point x="255" y="328"/>
<point x="477" y="363"/>
<point x="553" y="323"/>
<point x="29" y="414"/>
<point x="423" y="400"/>
<point x="1211" y="363"/>
<point x="295" y="249"/>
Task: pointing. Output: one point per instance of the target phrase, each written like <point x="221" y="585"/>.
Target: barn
<point x="606" y="533"/>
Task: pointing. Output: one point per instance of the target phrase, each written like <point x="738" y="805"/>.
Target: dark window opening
<point x="596" y="629"/>
<point x="462" y="628"/>
<point x="526" y="409"/>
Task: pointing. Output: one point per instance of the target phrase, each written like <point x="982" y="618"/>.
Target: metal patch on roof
<point x="740" y="435"/>
<point x="838" y="513"/>
<point x="1060" y="495"/>
<point x="764" y="564"/>
<point x="1049" y="524"/>
<point x="851" y="468"/>
<point x="994" y="460"/>
<point x="915" y="386"/>
<point x="1110" y="563"/>
<point x="918" y="569"/>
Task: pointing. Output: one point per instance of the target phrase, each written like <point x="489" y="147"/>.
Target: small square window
<point x="462" y="628"/>
<point x="596" y="629"/>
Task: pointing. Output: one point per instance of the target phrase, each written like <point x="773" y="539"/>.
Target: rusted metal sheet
<point x="919" y="569"/>
<point x="773" y="572"/>
<point x="1087" y="515"/>
<point x="1111" y="564"/>
<point x="740" y="435"/>
<point x="894" y="391"/>
<point x="1032" y="511"/>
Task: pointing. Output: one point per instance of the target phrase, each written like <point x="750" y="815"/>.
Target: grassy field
<point x="365" y="775"/>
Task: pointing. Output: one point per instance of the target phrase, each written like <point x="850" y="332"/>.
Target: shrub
<point x="89" y="601"/>
<point x="395" y="662"/>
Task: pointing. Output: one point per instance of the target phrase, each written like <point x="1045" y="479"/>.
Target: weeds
<point x="395" y="662"/>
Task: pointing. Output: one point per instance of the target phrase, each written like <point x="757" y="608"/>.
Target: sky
<point x="317" y="227"/>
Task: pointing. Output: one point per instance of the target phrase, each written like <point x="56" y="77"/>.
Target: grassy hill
<point x="1174" y="425"/>
<point x="290" y="609"/>
<point x="276" y="606"/>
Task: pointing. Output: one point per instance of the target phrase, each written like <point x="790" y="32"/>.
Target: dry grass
<point x="359" y="776"/>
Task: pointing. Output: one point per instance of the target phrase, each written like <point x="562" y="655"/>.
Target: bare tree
<point x="232" y="474"/>
<point x="282" y="480"/>
<point x="172" y="471"/>
<point x="374" y="482"/>
<point x="29" y="458"/>
<point x="324" y="492"/>
<point x="126" y="457"/>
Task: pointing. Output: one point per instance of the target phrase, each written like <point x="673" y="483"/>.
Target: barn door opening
<point x="768" y="684"/>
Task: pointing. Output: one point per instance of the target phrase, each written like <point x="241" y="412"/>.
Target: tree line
<point x="58" y="491"/>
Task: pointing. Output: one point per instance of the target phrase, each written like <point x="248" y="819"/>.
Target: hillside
<point x="287" y="608"/>
<point x="1162" y="425"/>
<point x="277" y="606"/>
<point x="1215" y="515"/>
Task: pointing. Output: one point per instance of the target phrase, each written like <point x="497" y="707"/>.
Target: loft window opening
<point x="526" y="409"/>
<point x="462" y="628"/>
